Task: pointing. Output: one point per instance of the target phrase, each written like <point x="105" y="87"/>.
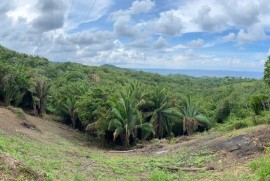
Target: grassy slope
<point x="63" y="154"/>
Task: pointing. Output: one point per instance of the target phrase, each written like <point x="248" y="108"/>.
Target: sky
<point x="169" y="34"/>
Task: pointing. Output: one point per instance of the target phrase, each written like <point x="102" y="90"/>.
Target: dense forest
<point x="122" y="106"/>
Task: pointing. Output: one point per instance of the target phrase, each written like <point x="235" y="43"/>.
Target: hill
<point x="49" y="150"/>
<point x="155" y="127"/>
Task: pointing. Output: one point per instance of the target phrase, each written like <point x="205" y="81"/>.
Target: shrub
<point x="223" y="112"/>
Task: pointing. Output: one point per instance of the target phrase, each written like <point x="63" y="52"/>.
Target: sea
<point x="206" y="73"/>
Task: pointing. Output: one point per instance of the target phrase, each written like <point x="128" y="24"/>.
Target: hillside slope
<point x="45" y="148"/>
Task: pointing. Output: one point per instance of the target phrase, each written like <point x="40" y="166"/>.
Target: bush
<point x="235" y="123"/>
<point x="264" y="118"/>
<point x="223" y="112"/>
<point x="257" y="103"/>
<point x="239" y="125"/>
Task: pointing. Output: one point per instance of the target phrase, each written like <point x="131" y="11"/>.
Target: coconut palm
<point x="191" y="118"/>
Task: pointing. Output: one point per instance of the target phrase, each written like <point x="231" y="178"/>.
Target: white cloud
<point x="22" y="9"/>
<point x="142" y="43"/>
<point x="123" y="27"/>
<point x="196" y="43"/>
<point x="229" y="37"/>
<point x="160" y="43"/>
<point x="242" y="13"/>
<point x="255" y="33"/>
<point x="143" y="6"/>
<point x="38" y="27"/>
<point x="167" y="24"/>
<point x="207" y="22"/>
<point x="51" y="15"/>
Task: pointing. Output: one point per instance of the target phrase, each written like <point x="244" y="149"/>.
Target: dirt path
<point x="233" y="149"/>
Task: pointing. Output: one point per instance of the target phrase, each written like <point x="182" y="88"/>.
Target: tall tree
<point x="68" y="97"/>
<point x="160" y="111"/>
<point x="125" y="117"/>
<point x="40" y="93"/>
<point x="266" y="76"/>
<point x="88" y="105"/>
<point x="9" y="88"/>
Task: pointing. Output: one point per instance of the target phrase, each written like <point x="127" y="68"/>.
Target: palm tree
<point x="9" y="88"/>
<point x="162" y="113"/>
<point x="39" y="94"/>
<point x="191" y="118"/>
<point x="125" y="118"/>
<point x="68" y="107"/>
<point x="67" y="104"/>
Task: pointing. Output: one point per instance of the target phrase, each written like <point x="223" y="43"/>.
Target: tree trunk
<point x="7" y="99"/>
<point x="126" y="137"/>
<point x="73" y="119"/>
<point x="158" y="131"/>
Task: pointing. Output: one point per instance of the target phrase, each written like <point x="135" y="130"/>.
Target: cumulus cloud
<point x="229" y="37"/>
<point x="88" y="37"/>
<point x="242" y="13"/>
<point x="196" y="43"/>
<point x="145" y="33"/>
<point x="120" y="57"/>
<point x="5" y="6"/>
<point x="51" y="15"/>
<point x="167" y="24"/>
<point x="210" y="23"/>
<point x="160" y="43"/>
<point x="255" y="33"/>
<point x="123" y="27"/>
<point x="141" y="43"/>
<point x="143" y="6"/>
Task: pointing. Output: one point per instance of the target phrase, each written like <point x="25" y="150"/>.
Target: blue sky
<point x="179" y="34"/>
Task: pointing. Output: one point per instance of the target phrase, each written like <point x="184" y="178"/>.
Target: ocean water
<point x="207" y="73"/>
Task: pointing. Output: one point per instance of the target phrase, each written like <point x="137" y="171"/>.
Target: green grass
<point x="63" y="159"/>
<point x="66" y="160"/>
<point x="261" y="167"/>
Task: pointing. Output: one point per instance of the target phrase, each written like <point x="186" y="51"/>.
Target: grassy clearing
<point x="64" y="159"/>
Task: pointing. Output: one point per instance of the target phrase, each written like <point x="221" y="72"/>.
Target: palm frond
<point x="117" y="132"/>
<point x="147" y="129"/>
<point x="203" y="120"/>
<point x="114" y="124"/>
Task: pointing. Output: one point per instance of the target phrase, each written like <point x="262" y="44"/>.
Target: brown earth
<point x="12" y="169"/>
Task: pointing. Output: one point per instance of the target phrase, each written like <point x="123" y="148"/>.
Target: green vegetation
<point x="262" y="168"/>
<point x="124" y="105"/>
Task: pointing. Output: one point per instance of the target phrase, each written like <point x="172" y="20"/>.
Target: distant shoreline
<point x="203" y="73"/>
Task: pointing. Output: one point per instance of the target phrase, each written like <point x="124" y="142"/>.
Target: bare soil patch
<point x="12" y="169"/>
